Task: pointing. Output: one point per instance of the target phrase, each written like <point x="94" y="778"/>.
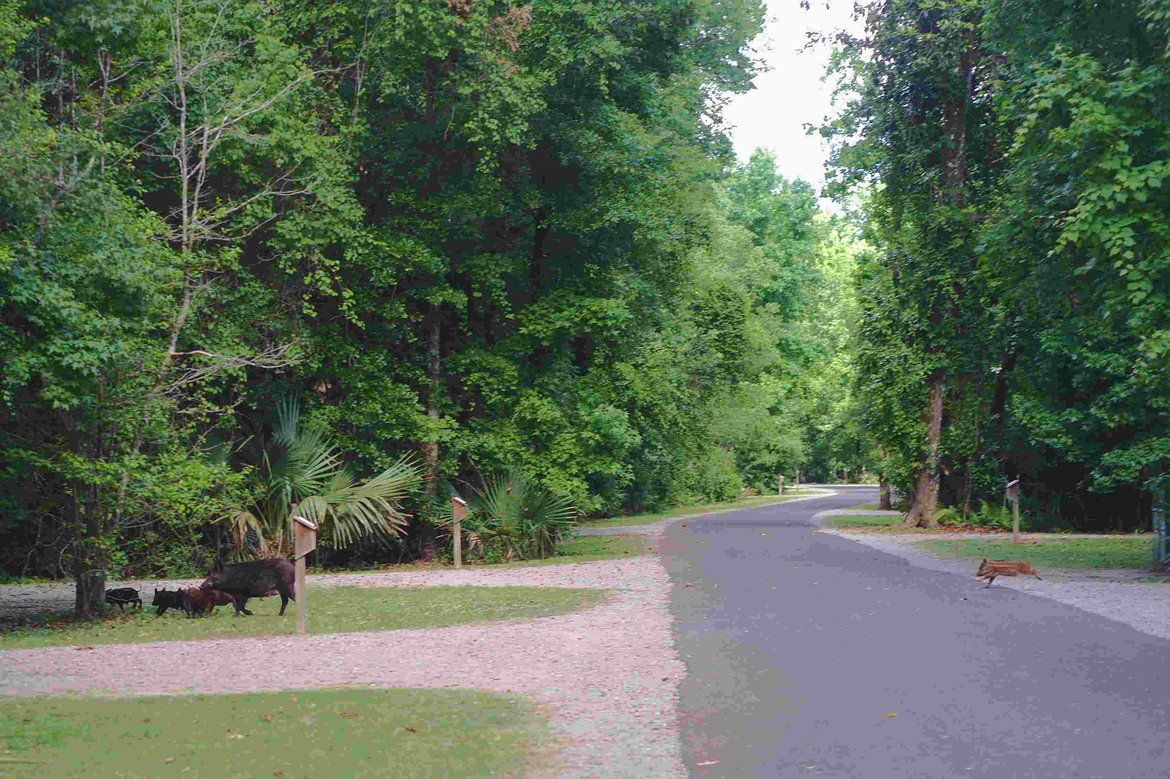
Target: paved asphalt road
<point x="811" y="655"/>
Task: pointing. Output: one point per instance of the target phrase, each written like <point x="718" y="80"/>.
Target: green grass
<point x="863" y="520"/>
<point x="702" y="508"/>
<point x="320" y="734"/>
<point x="585" y="549"/>
<point x="6" y="580"/>
<point x="868" y="507"/>
<point x="331" y="610"/>
<point x="1104" y="552"/>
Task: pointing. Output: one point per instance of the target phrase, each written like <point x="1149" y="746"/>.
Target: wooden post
<point x="459" y="512"/>
<point x="299" y="592"/>
<point x="779" y="485"/>
<point x="1013" y="496"/>
<point x="796" y="484"/>
<point x="305" y="541"/>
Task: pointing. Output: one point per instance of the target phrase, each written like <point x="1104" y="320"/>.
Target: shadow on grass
<point x="331" y="610"/>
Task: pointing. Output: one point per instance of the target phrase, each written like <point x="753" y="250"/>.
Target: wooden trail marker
<point x="1013" y="495"/>
<point x="779" y="485"/>
<point x="305" y="541"/>
<point x="459" y="512"/>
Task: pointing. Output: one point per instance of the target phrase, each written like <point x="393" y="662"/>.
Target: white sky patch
<point x="792" y="93"/>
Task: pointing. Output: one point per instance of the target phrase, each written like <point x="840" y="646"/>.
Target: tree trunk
<point x="884" y="494"/>
<point x="924" y="505"/>
<point x="428" y="550"/>
<point x="89" y="564"/>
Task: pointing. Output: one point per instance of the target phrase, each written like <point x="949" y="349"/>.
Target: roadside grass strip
<point x="331" y="610"/>
<point x="320" y="734"/>
<point x="862" y="520"/>
<point x="703" y="508"/>
<point x="1103" y="552"/>
<point x="586" y="549"/>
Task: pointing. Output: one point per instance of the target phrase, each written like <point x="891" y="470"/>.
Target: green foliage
<point x="505" y="237"/>
<point x="950" y="517"/>
<point x="514" y="518"/>
<point x="1010" y="159"/>
<point x="305" y="476"/>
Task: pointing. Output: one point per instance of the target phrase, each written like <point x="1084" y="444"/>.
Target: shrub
<point x="991" y="515"/>
<point x="949" y="517"/>
<point x="515" y="518"/>
<point x="713" y="478"/>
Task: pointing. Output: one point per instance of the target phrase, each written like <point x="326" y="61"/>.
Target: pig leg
<point x="286" y="594"/>
<point x="285" y="597"/>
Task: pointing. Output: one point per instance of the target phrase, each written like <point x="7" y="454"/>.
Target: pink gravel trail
<point x="609" y="675"/>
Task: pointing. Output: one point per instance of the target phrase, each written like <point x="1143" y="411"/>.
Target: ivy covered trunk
<point x="924" y="502"/>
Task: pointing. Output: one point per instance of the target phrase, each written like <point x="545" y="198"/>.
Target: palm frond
<point x="310" y="475"/>
<point x="521" y="517"/>
<point x="373" y="507"/>
<point x="288" y="418"/>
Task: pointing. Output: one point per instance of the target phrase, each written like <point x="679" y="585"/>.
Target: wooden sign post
<point x="459" y="512"/>
<point x="1013" y="496"/>
<point x="305" y="540"/>
<point x="779" y="485"/>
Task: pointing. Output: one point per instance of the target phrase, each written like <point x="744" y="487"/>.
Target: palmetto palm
<point x="519" y="516"/>
<point x="309" y="475"/>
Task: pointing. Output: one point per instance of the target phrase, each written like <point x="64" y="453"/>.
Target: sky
<point x="791" y="94"/>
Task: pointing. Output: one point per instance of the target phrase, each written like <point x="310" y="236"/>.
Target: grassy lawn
<point x="320" y="734"/>
<point x="703" y="508"/>
<point x="862" y="520"/>
<point x="331" y="610"/>
<point x="1103" y="552"/>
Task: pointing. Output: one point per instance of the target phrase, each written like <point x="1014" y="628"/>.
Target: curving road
<point x="811" y="655"/>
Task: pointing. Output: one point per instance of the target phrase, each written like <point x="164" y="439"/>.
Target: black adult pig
<point x="254" y="579"/>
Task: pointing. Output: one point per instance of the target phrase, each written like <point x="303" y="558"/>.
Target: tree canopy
<point x="485" y="237"/>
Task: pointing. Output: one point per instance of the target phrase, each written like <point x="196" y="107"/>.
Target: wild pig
<point x="199" y="602"/>
<point x="164" y="600"/>
<point x="254" y="579"/>
<point x="122" y="596"/>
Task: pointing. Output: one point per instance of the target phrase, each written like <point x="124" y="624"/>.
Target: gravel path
<point x="609" y="674"/>
<point x="1141" y="606"/>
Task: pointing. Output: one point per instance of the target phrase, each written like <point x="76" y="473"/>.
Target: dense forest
<point x="1010" y="161"/>
<point x="350" y="259"/>
<point x="364" y="255"/>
